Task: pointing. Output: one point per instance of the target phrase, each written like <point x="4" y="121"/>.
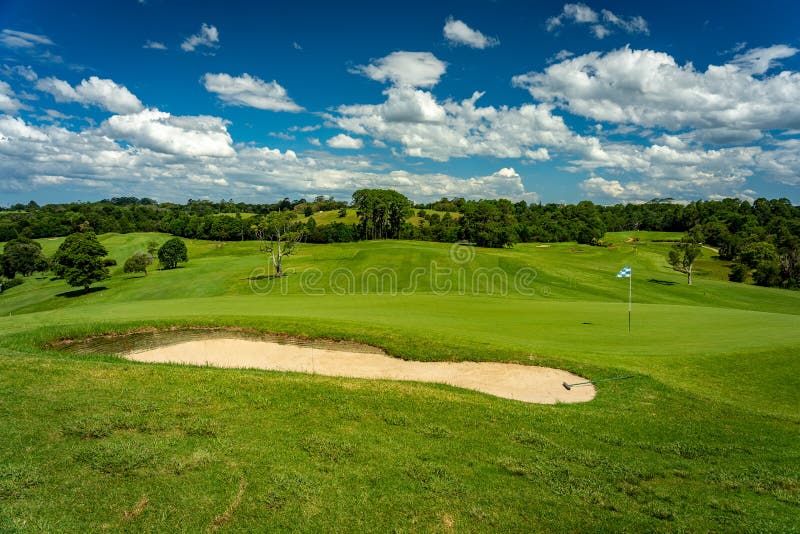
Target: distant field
<point x="244" y="215"/>
<point x="327" y="217"/>
<point x="704" y="438"/>
<point x="644" y="236"/>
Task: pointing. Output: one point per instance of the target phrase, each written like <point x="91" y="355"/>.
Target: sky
<point x="538" y="101"/>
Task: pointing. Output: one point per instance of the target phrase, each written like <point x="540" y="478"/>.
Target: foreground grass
<point x="704" y="438"/>
<point x="94" y="440"/>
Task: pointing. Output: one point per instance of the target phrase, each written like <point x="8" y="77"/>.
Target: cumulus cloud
<point x="345" y="141"/>
<point x="458" y="33"/>
<point x="426" y="128"/>
<point x="17" y="39"/>
<point x="597" y="186"/>
<point x="649" y="89"/>
<point x="154" y="45"/>
<point x="600" y="24"/>
<point x="415" y="69"/>
<point x="208" y="37"/>
<point x="94" y="91"/>
<point x="52" y="156"/>
<point x="171" y="134"/>
<point x="8" y="102"/>
<point x="246" y="90"/>
<point x="760" y="60"/>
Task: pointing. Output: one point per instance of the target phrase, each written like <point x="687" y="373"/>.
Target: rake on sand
<point x="570" y="386"/>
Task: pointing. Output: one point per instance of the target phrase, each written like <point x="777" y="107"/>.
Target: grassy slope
<point x="704" y="438"/>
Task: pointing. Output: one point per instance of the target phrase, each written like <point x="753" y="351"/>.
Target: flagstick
<point x="630" y="299"/>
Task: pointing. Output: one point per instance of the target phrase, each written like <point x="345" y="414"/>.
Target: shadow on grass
<point x="80" y="292"/>
<point x="662" y="282"/>
<point x="269" y="276"/>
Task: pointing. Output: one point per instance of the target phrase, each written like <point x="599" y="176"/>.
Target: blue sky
<point x="537" y="101"/>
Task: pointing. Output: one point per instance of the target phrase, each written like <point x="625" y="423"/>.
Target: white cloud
<point x="51" y="156"/>
<point x="95" y="91"/>
<point x="540" y="154"/>
<point x="246" y="90"/>
<point x="17" y="39"/>
<point x="635" y="24"/>
<point x="54" y="114"/>
<point x="597" y="186"/>
<point x="428" y="129"/>
<point x="207" y="37"/>
<point x="649" y="89"/>
<point x="282" y="135"/>
<point x="314" y="141"/>
<point x="296" y="45"/>
<point x="23" y="71"/>
<point x="457" y="32"/>
<point x="405" y="104"/>
<point x="760" y="60"/>
<point x="8" y="102"/>
<point x="600" y="24"/>
<point x="345" y="141"/>
<point x="415" y="69"/>
<point x="178" y="135"/>
<point x="154" y="45"/>
<point x="561" y="55"/>
<point x="600" y="31"/>
<point x="310" y="128"/>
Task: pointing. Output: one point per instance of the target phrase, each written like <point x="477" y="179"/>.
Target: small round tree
<point x="138" y="263"/>
<point x="79" y="260"/>
<point x="172" y="252"/>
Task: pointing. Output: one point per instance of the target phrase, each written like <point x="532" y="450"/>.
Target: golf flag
<point x="626" y="273"/>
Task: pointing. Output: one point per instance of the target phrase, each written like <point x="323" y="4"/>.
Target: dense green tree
<point x="138" y="263"/>
<point x="489" y="223"/>
<point x="381" y="212"/>
<point x="79" y="260"/>
<point x="23" y="256"/>
<point x="172" y="252"/>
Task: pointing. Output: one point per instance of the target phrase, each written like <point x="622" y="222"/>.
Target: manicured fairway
<point x="704" y="438"/>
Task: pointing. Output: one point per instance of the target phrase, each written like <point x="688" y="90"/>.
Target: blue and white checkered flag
<point x="625" y="272"/>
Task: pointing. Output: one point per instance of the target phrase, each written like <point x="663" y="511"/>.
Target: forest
<point x="761" y="239"/>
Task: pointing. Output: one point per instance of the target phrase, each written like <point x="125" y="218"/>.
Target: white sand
<point x="511" y="381"/>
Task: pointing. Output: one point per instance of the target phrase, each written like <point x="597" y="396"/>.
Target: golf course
<point x="703" y="436"/>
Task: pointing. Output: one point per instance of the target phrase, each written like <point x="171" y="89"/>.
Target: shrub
<point x="12" y="282"/>
<point x="138" y="263"/>
<point x="739" y="272"/>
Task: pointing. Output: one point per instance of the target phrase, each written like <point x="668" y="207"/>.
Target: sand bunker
<point x="511" y="381"/>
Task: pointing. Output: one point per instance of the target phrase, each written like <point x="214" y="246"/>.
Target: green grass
<point x="243" y="215"/>
<point x="330" y="216"/>
<point x="704" y="438"/>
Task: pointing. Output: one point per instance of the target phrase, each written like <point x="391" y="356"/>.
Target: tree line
<point x="761" y="239"/>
